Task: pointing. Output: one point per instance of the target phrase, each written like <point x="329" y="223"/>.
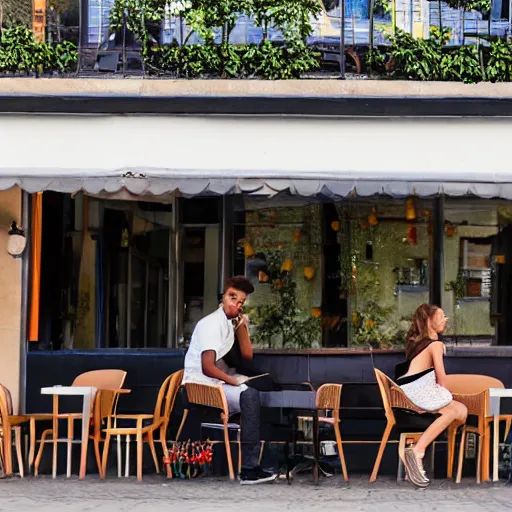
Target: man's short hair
<point x="240" y="283"/>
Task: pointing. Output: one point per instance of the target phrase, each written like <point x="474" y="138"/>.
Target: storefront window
<point x="335" y="275"/>
<point x="470" y="240"/>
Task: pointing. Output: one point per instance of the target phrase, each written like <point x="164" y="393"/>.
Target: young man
<point x="212" y="339"/>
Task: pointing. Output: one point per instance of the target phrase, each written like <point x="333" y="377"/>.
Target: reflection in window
<point x="470" y="230"/>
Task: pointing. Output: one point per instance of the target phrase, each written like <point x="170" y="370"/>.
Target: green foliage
<point x="500" y="58"/>
<point x="462" y="65"/>
<point x="371" y="326"/>
<point x="17" y="46"/>
<point x="269" y="61"/>
<point x="418" y="59"/>
<point x="280" y="318"/>
<point x="20" y="53"/>
<point x="470" y="5"/>
<point x="289" y="59"/>
<point x="429" y="59"/>
<point x="141" y="15"/>
<point x="292" y="17"/>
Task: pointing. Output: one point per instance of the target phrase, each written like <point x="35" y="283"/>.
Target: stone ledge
<point x="139" y="87"/>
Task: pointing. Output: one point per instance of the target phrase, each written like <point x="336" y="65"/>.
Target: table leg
<point x="86" y="418"/>
<point x="495" y="449"/>
<point x="55" y="433"/>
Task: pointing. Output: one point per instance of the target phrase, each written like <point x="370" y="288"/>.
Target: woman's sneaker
<point x="414" y="469"/>
<point x="256" y="476"/>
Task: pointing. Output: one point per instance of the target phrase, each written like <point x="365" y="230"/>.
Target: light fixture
<point x="17" y="241"/>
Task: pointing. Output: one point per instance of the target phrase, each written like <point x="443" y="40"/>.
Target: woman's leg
<point x="454" y="411"/>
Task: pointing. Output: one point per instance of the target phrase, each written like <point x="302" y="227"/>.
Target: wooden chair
<point x="473" y="392"/>
<point x="110" y="383"/>
<point x="212" y="396"/>
<point x="10" y="423"/>
<point x="328" y="398"/>
<point x="145" y="425"/>
<point x="393" y="398"/>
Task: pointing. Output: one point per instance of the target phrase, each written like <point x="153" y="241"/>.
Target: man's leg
<point x="250" y="427"/>
<point x="247" y="401"/>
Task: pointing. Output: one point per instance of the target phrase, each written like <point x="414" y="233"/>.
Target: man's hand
<point x="244" y="320"/>
<point x="241" y="379"/>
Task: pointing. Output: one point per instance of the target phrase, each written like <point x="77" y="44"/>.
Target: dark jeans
<point x="250" y="408"/>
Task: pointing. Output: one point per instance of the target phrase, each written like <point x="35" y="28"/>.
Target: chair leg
<point x="486" y="453"/>
<point x="69" y="446"/>
<point x="340" y="451"/>
<point x="461" y="456"/>
<point x="508" y="423"/>
<point x="182" y="424"/>
<point x="239" y="453"/>
<point x="32" y="450"/>
<point x="151" y="443"/>
<point x="19" y="454"/>
<point x="139" y="455"/>
<point x="228" y="451"/>
<point x="165" y="450"/>
<point x="479" y="460"/>
<point x="7" y="441"/>
<point x="119" y="457"/>
<point x="382" y="447"/>
<point x="262" y="448"/>
<point x="42" y="442"/>
<point x="452" y="433"/>
<point x="127" y="457"/>
<point x="106" y="446"/>
<point x="97" y="454"/>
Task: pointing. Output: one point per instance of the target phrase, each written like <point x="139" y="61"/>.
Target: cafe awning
<point x="154" y="156"/>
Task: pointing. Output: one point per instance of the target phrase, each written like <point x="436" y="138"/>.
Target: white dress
<point x="424" y="392"/>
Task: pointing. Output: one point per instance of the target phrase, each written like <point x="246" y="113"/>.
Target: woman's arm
<point x="438" y="351"/>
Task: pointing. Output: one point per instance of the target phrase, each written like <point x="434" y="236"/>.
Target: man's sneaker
<point x="256" y="476"/>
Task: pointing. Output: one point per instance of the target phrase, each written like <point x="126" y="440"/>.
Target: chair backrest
<point x="471" y="384"/>
<point x="160" y="399"/>
<point x="103" y="404"/>
<point x="172" y="393"/>
<point x="328" y="397"/>
<point x="207" y="395"/>
<point x="101" y="379"/>
<point x="385" y="385"/>
<point x="6" y="408"/>
<point x="393" y="396"/>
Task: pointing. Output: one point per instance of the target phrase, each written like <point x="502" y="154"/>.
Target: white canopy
<point x="154" y="156"/>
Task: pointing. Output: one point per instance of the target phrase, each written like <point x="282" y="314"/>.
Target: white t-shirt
<point x="213" y="332"/>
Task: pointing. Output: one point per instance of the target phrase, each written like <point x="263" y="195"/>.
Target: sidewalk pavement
<point x="156" y="494"/>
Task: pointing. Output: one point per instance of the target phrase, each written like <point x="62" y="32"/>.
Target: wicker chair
<point x="110" y="381"/>
<point x="212" y="396"/>
<point x="328" y="399"/>
<point x="473" y="392"/>
<point x="393" y="398"/>
<point x="10" y="423"/>
<point x="145" y="425"/>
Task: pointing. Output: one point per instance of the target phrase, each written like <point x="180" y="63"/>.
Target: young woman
<point x="423" y="380"/>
